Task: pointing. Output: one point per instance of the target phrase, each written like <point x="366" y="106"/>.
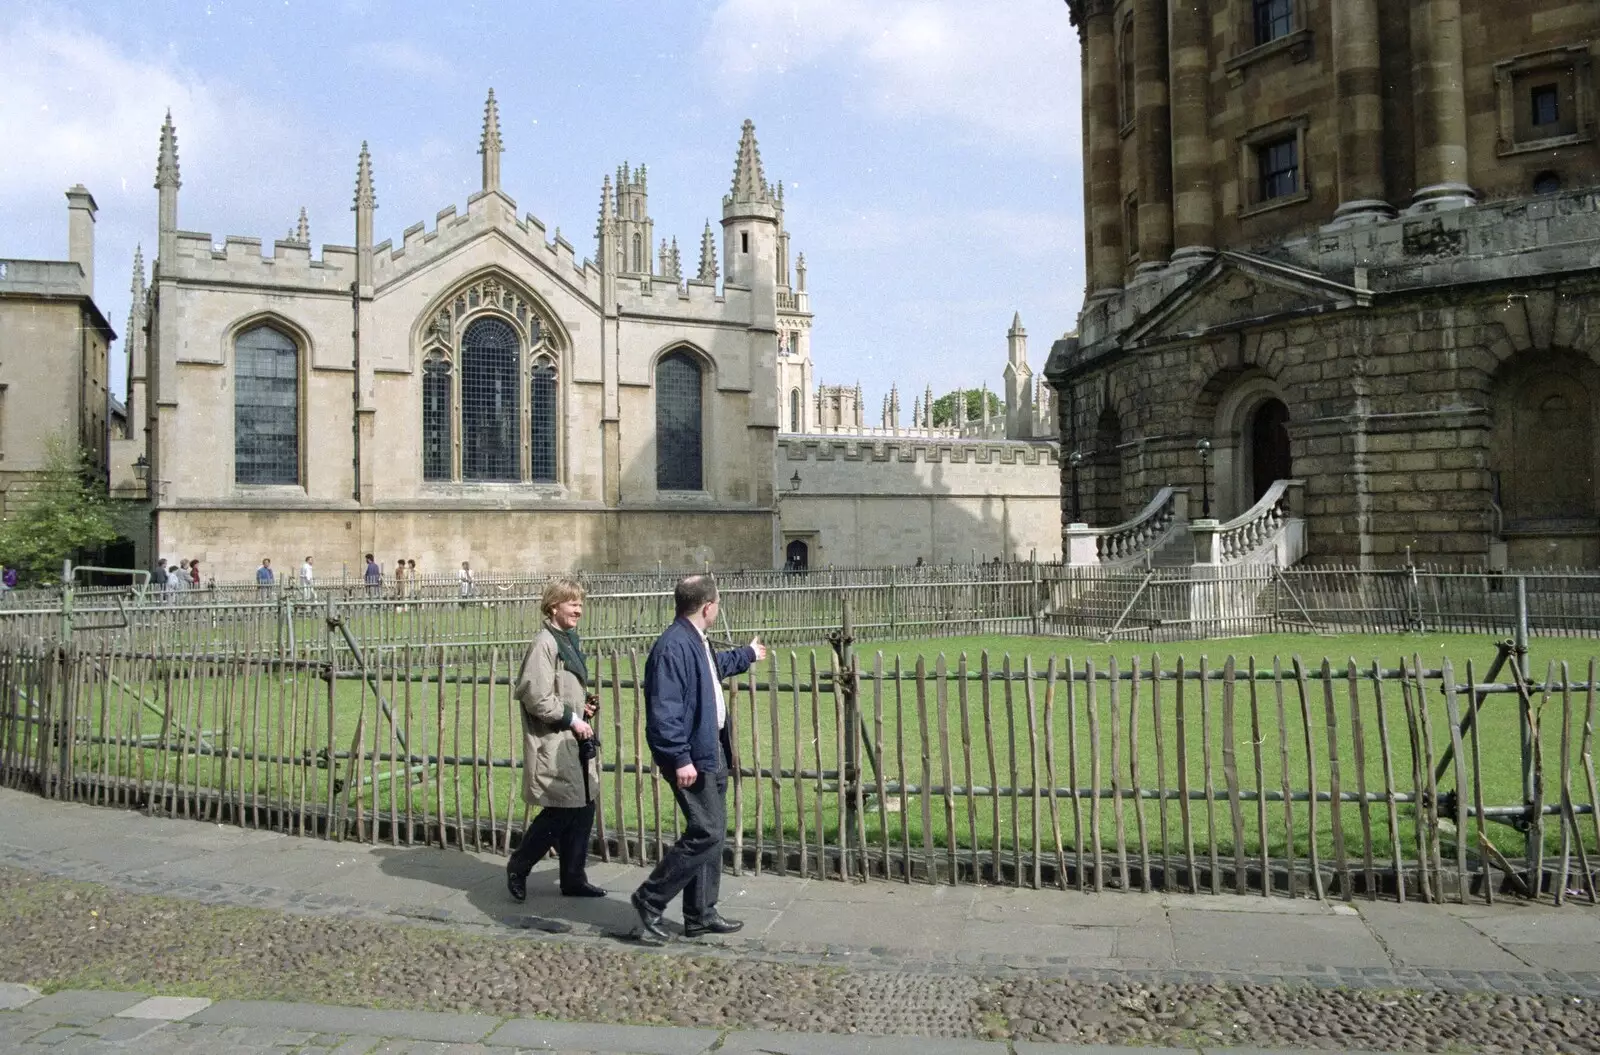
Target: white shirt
<point x="305" y="574"/>
<point x="716" y="682"/>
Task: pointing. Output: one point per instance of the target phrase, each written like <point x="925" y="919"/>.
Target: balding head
<point x="693" y="593"/>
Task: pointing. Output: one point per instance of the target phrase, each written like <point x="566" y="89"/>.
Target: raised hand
<point x="758" y="648"/>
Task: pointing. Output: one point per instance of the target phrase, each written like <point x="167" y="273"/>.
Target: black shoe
<point x="650" y="932"/>
<point x="716" y="923"/>
<point x="517" y="886"/>
<point x="585" y="889"/>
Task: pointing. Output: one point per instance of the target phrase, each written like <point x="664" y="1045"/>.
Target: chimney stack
<point x="80" y="232"/>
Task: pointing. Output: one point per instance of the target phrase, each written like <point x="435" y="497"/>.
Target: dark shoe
<point x="650" y="932"/>
<point x="517" y="886"/>
<point x="583" y="890"/>
<point x="715" y="923"/>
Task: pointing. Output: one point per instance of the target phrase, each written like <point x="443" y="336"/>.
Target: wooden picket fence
<point x="1281" y="779"/>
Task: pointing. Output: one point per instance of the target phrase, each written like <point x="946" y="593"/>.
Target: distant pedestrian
<point x="158" y="578"/>
<point x="264" y="578"/>
<point x="194" y="574"/>
<point x="413" y="587"/>
<point x="400" y="580"/>
<point x="464" y="580"/>
<point x="307" y="580"/>
<point x="373" y="577"/>
<point x="6" y="585"/>
<point x="178" y="579"/>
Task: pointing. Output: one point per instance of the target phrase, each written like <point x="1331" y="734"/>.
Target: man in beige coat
<point x="558" y="774"/>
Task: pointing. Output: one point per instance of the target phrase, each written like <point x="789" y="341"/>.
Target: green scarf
<point x="571" y="652"/>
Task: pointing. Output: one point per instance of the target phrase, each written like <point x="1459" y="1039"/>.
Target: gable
<point x="1233" y="290"/>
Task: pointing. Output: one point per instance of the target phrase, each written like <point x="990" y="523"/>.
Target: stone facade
<point x="53" y="356"/>
<point x="544" y="451"/>
<point x="1356" y="244"/>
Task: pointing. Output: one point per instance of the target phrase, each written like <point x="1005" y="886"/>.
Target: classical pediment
<point x="1235" y="289"/>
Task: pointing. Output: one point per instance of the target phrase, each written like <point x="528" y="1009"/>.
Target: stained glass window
<point x="266" y="408"/>
<point x="489" y="402"/>
<point x="542" y="405"/>
<point x="678" y="424"/>
<point x="436" y="419"/>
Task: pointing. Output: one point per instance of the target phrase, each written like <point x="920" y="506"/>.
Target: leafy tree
<point x="974" y="401"/>
<point x="64" y="513"/>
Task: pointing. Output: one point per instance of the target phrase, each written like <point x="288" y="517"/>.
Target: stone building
<point x="476" y="391"/>
<point x="53" y="356"/>
<point x="1355" y="243"/>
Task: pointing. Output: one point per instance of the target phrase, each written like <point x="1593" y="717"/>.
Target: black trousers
<point x="563" y="829"/>
<point x="693" y="865"/>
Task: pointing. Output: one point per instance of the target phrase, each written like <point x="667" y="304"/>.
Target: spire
<point x="490" y="145"/>
<point x="1016" y="323"/>
<point x="663" y="261"/>
<point x="708" y="256"/>
<point x="607" y="220"/>
<point x="675" y="259"/>
<point x="137" y="288"/>
<point x="167" y="162"/>
<point x="749" y="184"/>
<point x="365" y="198"/>
<point x="301" y="231"/>
<point x="927" y="407"/>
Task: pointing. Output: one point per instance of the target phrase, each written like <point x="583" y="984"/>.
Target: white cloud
<point x="1005" y="69"/>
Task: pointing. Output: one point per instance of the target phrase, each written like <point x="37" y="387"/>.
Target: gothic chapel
<point x="475" y="392"/>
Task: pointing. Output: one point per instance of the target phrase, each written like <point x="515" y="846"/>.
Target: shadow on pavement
<point x="483" y="882"/>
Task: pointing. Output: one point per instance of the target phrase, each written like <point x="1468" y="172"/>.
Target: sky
<point x="929" y="149"/>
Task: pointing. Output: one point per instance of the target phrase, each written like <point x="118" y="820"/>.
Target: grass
<point x="932" y="732"/>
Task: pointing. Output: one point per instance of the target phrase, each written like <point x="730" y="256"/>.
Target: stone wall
<point x="874" y="502"/>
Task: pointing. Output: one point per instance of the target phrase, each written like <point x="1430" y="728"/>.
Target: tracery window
<point x="542" y="407"/>
<point x="491" y="398"/>
<point x="266" y="407"/>
<point x="679" y="423"/>
<point x="437" y="452"/>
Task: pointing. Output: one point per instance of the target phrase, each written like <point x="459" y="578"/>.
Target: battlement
<point x="240" y="259"/>
<point x="486" y="211"/>
<point x="691" y="300"/>
<point x="929" y="450"/>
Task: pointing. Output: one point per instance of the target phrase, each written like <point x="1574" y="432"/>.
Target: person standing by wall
<point x="686" y="726"/>
<point x="264" y="578"/>
<point x="307" y="580"/>
<point x="560" y="751"/>
<point x="464" y="580"/>
<point x="373" y="577"/>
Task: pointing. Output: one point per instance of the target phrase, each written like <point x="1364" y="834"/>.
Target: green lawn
<point x="935" y="733"/>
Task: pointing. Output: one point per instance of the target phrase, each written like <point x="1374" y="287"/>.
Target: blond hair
<point x="559" y="591"/>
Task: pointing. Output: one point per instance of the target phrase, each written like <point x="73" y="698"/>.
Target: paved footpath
<point x="1143" y="938"/>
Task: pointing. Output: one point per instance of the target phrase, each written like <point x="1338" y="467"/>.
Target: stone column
<point x="1193" y="207"/>
<point x="1102" y="150"/>
<point x="1153" y="132"/>
<point x="1358" y="91"/>
<point x="1438" y="72"/>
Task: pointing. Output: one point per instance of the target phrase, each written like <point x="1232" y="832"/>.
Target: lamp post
<point x="1075" y="459"/>
<point x="1204" y="447"/>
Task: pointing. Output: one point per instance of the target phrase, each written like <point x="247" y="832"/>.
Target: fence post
<point x="844" y="647"/>
<point x="1525" y="704"/>
<point x="66" y="601"/>
<point x="1037" y="599"/>
<point x="894" y="576"/>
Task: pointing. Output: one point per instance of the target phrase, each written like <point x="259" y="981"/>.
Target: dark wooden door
<point x="1269" y="447"/>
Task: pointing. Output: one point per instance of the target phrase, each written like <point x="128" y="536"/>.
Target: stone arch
<point x="1104" y="505"/>
<point x="1246" y="421"/>
<point x="296" y="332"/>
<point x="1543" y="446"/>
<point x="430" y="328"/>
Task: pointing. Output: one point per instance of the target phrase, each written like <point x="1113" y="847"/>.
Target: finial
<point x="607" y="213"/>
<point x="302" y="228"/>
<point x="167" y="161"/>
<point x="137" y="288"/>
<point x="708" y="256"/>
<point x="1016" y="322"/>
<point x="490" y="144"/>
<point x="365" y="197"/>
<point x="676" y="260"/>
<point x="749" y="184"/>
<point x="642" y="176"/>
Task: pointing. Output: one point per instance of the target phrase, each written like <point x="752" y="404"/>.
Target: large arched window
<point x="266" y="408"/>
<point x="437" y="455"/>
<point x="794" y="410"/>
<point x="490" y="411"/>
<point x="678" y="423"/>
<point x="542" y="425"/>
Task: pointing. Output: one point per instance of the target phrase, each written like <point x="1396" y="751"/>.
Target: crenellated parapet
<point x="926" y="450"/>
<point x="239" y="258"/>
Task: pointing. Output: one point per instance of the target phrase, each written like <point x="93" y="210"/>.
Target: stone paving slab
<point x="543" y="1035"/>
<point x="13" y="996"/>
<point x="74" y="1006"/>
<point x="166" y="1008"/>
<point x="420" y="1025"/>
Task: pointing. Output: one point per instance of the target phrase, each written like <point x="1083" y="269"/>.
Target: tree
<point x="64" y="513"/>
<point x="973" y="397"/>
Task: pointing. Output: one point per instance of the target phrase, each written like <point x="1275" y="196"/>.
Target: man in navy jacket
<point x="687" y="729"/>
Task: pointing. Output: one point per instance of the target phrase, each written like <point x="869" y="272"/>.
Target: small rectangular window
<point x="1130" y="225"/>
<point x="1546" y="105"/>
<point x="744" y="242"/>
<point x="1278" y="165"/>
<point x="1273" y="19"/>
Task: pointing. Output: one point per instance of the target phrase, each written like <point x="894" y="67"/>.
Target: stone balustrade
<point x="1270" y="532"/>
<point x="1133" y="541"/>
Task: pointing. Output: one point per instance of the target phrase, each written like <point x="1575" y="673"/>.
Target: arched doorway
<point x="1269" y="447"/>
<point x="1104" y="505"/>
<point x="797" y="556"/>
